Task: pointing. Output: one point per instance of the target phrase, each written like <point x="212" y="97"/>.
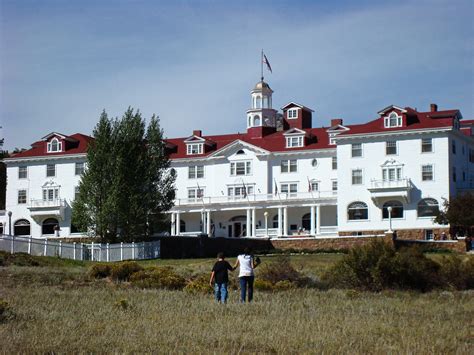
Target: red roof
<point x="76" y="144"/>
<point x="412" y="120"/>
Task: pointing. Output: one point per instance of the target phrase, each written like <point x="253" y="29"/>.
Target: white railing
<point x="262" y="232"/>
<point x="80" y="251"/>
<point x="391" y="184"/>
<point x="206" y="200"/>
<point x="56" y="203"/>
<point x="328" y="229"/>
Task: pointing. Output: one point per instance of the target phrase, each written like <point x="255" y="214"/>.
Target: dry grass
<point x="61" y="310"/>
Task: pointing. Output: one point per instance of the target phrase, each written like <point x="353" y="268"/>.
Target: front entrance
<point x="237" y="227"/>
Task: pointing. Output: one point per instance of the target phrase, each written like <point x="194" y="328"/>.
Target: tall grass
<point x="62" y="310"/>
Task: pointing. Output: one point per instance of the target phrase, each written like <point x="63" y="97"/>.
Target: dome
<point x="261" y="85"/>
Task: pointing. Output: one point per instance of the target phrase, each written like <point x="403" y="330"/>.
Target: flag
<point x="276" y="187"/>
<point x="199" y="192"/>
<point x="265" y="60"/>
<point x="245" y="189"/>
<point x="310" y="188"/>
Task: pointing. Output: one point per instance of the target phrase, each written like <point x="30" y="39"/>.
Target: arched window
<point x="306" y="221"/>
<point x="21" y="227"/>
<point x="275" y="221"/>
<point x="55" y="145"/>
<point x="250" y="122"/>
<point x="357" y="210"/>
<point x="256" y="120"/>
<point x="259" y="102"/>
<point x="265" y="102"/>
<point x="49" y="226"/>
<point x="397" y="209"/>
<point x="240" y="151"/>
<point x="428" y="207"/>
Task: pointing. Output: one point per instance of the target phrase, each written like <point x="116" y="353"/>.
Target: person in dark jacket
<point x="220" y="278"/>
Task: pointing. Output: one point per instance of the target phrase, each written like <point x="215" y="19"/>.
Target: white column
<point x="248" y="226"/>
<point x="173" y="223"/>
<point x="208" y="223"/>
<point x="318" y="220"/>
<point x="285" y="220"/>
<point x="312" y="232"/>
<point x="203" y="221"/>
<point x="178" y="223"/>
<point x="254" y="224"/>
<point x="280" y="221"/>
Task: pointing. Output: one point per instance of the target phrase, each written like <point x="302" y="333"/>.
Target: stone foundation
<point x="406" y="234"/>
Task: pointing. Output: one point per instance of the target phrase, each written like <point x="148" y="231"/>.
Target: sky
<point x="193" y="63"/>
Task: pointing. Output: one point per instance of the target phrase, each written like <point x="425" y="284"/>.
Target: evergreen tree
<point x="458" y="212"/>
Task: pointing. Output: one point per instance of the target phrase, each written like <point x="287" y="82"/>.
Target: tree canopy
<point x="127" y="185"/>
<point x="458" y="212"/>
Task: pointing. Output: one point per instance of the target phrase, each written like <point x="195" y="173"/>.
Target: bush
<point x="158" y="277"/>
<point x="18" y="259"/>
<point x="124" y="270"/>
<point x="5" y="311"/>
<point x="122" y="304"/>
<point x="457" y="273"/>
<point x="100" y="271"/>
<point x="263" y="285"/>
<point x="199" y="284"/>
<point x="378" y="266"/>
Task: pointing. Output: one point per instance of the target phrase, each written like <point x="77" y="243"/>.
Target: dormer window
<point x="54" y="146"/>
<point x="393" y="120"/>
<point x="194" y="148"/>
<point x="293" y="113"/>
<point x="294" y="141"/>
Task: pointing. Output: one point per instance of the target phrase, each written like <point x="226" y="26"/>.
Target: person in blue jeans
<point x="220" y="278"/>
<point x="247" y="264"/>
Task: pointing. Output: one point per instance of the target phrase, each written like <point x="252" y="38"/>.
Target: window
<point x="429" y="234"/>
<point x="54" y="146"/>
<point x="196" y="172"/>
<point x="195" y="192"/>
<point x="314" y="186"/>
<point x="426" y="172"/>
<point x="454" y="174"/>
<point x="426" y="145"/>
<point x="50" y="193"/>
<point x="357" y="211"/>
<point x="291" y="188"/>
<point x="397" y="209"/>
<point x="296" y="141"/>
<point x="356" y="177"/>
<point x="293" y="113"/>
<point x="393" y="120"/>
<point x="76" y="192"/>
<point x="288" y="166"/>
<point x="391" y="147"/>
<point x="21" y="197"/>
<point x="334" y="185"/>
<point x="80" y="168"/>
<point x="356" y="150"/>
<point x="22" y="172"/>
<point x="195" y="148"/>
<point x="50" y="226"/>
<point x="241" y="168"/>
<point x="428" y="207"/>
<point x="50" y="170"/>
<point x="240" y="191"/>
<point x="314" y="163"/>
<point x="334" y="163"/>
<point x="392" y="174"/>
<point x="21" y="227"/>
<point x="453" y="146"/>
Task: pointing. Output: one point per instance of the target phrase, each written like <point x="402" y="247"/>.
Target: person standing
<point x="247" y="264"/>
<point x="220" y="278"/>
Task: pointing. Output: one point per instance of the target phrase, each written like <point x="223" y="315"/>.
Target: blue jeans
<point x="246" y="283"/>
<point x="220" y="292"/>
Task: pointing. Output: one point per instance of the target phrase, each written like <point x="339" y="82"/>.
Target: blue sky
<point x="194" y="62"/>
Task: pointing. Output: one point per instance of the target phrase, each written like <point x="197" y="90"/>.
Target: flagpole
<point x="261" y="65"/>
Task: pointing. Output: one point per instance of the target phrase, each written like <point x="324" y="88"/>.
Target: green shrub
<point x="158" y="277"/>
<point x="5" y="311"/>
<point x="122" y="304"/>
<point x="285" y="285"/>
<point x="199" y="284"/>
<point x="100" y="271"/>
<point x="378" y="266"/>
<point x="457" y="272"/>
<point x="124" y="270"/>
<point x="263" y="285"/>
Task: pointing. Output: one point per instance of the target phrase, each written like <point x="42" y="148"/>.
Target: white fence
<point x="81" y="251"/>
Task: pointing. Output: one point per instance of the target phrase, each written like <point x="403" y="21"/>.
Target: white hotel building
<point x="282" y="177"/>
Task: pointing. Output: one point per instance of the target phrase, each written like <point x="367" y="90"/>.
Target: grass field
<point x="57" y="308"/>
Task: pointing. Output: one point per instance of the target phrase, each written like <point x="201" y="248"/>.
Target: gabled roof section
<point x="59" y="135"/>
<point x="194" y="139"/>
<point x="337" y="129"/>
<point x="292" y="104"/>
<point x="79" y="144"/>
<point x="294" y="132"/>
<point x="237" y="145"/>
<point x="390" y="108"/>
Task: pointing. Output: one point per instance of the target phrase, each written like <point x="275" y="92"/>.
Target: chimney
<point x="336" y="121"/>
<point x="433" y="108"/>
<point x="197" y="133"/>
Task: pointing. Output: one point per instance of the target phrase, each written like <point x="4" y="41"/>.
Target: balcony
<point x="382" y="189"/>
<point x="47" y="208"/>
<point x="258" y="198"/>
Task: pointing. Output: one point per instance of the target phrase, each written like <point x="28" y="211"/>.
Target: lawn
<point x="57" y="308"/>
